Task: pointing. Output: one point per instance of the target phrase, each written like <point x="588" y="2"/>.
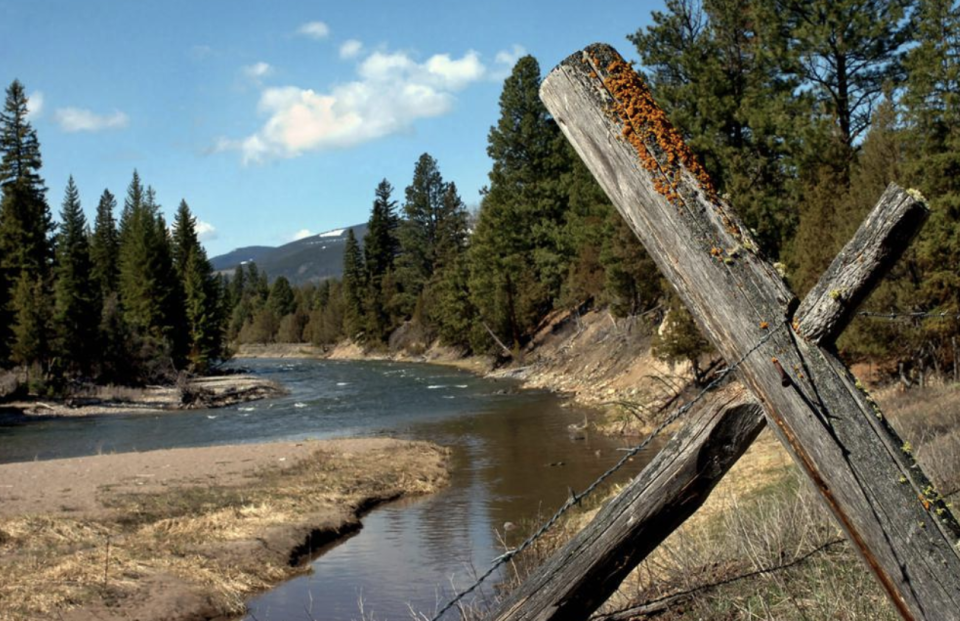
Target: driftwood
<point x="576" y="580"/>
<point x="838" y="437"/>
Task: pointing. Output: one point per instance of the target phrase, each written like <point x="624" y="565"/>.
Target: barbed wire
<point x="638" y="609"/>
<point x="575" y="498"/>
<point x="911" y="315"/>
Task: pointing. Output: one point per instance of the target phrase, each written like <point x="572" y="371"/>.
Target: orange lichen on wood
<point x="644" y="122"/>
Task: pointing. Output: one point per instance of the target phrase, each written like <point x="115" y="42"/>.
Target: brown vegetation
<point x="763" y="547"/>
<point x="187" y="533"/>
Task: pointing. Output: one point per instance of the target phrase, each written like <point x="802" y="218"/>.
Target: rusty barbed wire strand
<point x="575" y="498"/>
<point x="909" y="315"/>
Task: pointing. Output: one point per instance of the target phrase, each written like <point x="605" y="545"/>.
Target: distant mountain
<point x="241" y="255"/>
<point x="310" y="259"/>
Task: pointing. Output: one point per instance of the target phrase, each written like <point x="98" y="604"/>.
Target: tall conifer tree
<point x="203" y="313"/>
<point x="76" y="295"/>
<point x="30" y="343"/>
<point x="517" y="258"/>
<point x="26" y="225"/>
<point x="418" y="232"/>
<point x="380" y="250"/>
<point x="150" y="293"/>
<point x="353" y="287"/>
<point x="105" y="246"/>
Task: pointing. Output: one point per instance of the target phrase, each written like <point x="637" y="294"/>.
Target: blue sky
<point x="276" y="118"/>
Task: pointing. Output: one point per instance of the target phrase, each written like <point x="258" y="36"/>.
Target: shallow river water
<point x="513" y="461"/>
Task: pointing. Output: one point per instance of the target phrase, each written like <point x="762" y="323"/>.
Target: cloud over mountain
<point x="391" y="92"/>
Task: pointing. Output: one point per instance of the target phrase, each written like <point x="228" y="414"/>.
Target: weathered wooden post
<point x="580" y="577"/>
<point x="837" y="436"/>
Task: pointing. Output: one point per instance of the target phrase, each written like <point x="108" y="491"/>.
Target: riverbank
<point x="188" y="533"/>
<point x="593" y="359"/>
<point x="203" y="392"/>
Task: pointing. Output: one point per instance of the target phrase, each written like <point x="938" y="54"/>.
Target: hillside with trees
<point x="802" y="114"/>
<point x="128" y="301"/>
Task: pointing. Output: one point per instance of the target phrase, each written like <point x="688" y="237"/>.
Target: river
<point x="513" y="461"/>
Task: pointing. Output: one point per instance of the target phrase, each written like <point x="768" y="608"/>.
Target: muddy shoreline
<point x="188" y="533"/>
<point x="200" y="393"/>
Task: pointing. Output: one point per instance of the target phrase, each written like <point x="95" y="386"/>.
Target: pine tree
<point x="418" y="232"/>
<point x="76" y="295"/>
<point x="30" y="344"/>
<point x="517" y="256"/>
<point x="632" y="283"/>
<point x="586" y="234"/>
<point x="451" y="228"/>
<point x="185" y="238"/>
<point x="21" y="160"/>
<point x="380" y="250"/>
<point x="150" y="294"/>
<point x="117" y="345"/>
<point x="282" y="300"/>
<point x="380" y="244"/>
<point x="105" y="246"/>
<point x="932" y="102"/>
<point x="452" y="310"/>
<point x="679" y="338"/>
<point x="26" y="225"/>
<point x="203" y="315"/>
<point x="715" y="67"/>
<point x="202" y="310"/>
<point x="353" y="287"/>
<point x="846" y="51"/>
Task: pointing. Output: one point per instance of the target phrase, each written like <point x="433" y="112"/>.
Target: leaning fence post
<point x="582" y="575"/>
<point x="834" y="432"/>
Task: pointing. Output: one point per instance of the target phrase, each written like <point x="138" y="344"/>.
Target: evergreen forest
<point x="802" y="112"/>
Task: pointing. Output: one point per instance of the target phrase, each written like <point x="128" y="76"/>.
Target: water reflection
<point x="513" y="459"/>
<point x="511" y="463"/>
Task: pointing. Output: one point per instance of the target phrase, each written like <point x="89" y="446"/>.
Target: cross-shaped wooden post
<point x="836" y="434"/>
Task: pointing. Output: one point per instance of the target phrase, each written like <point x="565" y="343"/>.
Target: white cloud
<point x="456" y="73"/>
<point x="301" y="234"/>
<point x="80" y="120"/>
<point x="314" y="30"/>
<point x="505" y="60"/>
<point x="34" y="105"/>
<point x="511" y="56"/>
<point x="391" y="93"/>
<point x="206" y="231"/>
<point x="350" y="48"/>
<point x="258" y="70"/>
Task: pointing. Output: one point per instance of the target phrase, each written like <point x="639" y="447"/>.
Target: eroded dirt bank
<point x="187" y="533"/>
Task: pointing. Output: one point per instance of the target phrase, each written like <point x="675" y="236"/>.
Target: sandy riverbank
<point x="187" y="533"/>
<point x="204" y="392"/>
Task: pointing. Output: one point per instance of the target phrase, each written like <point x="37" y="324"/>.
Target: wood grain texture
<point x="579" y="578"/>
<point x="904" y="533"/>
<point x="877" y="245"/>
<point x="584" y="574"/>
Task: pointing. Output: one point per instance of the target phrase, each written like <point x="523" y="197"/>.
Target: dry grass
<point x="226" y="543"/>
<point x="763" y="546"/>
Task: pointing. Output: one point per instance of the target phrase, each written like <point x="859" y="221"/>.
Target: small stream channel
<point x="513" y="461"/>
